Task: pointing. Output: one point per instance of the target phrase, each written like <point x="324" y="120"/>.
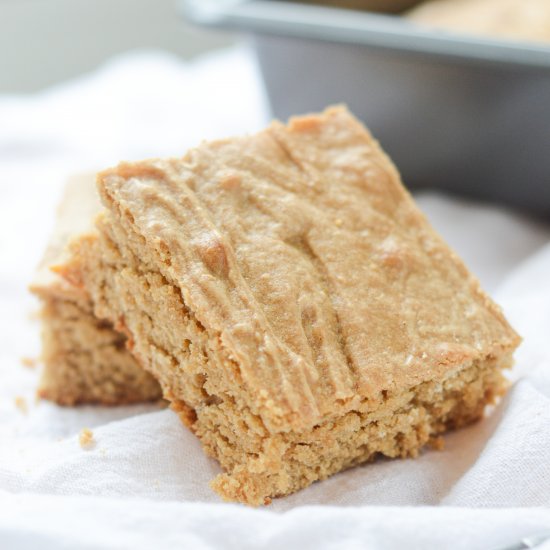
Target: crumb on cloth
<point x="29" y="362"/>
<point x="437" y="443"/>
<point x="21" y="404"/>
<point x="86" y="438"/>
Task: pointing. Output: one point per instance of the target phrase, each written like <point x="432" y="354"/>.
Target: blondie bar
<point x="298" y="310"/>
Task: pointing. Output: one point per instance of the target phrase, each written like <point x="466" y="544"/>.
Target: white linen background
<point x="145" y="483"/>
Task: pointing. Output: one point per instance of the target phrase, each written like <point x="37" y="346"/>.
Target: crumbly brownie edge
<point x="86" y="361"/>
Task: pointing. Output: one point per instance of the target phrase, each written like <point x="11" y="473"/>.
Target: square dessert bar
<point x="298" y="310"/>
<point x="85" y="360"/>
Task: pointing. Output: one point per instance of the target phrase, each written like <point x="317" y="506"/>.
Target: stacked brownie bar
<point x="295" y="306"/>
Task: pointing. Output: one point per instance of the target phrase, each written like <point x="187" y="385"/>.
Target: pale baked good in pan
<point x="525" y="20"/>
<point x="298" y="310"/>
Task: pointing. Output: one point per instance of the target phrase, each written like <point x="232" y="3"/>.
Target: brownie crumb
<point x="21" y="404"/>
<point x="86" y="438"/>
<point x="29" y="362"/>
<point x="437" y="443"/>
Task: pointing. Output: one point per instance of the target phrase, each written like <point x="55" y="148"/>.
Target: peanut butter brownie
<point x="85" y="360"/>
<point x="299" y="311"/>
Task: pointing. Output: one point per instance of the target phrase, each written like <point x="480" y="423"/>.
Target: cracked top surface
<point x="301" y="251"/>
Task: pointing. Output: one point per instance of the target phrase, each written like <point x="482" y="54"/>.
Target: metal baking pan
<point x="455" y="112"/>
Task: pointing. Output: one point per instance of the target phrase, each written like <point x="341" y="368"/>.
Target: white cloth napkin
<point x="145" y="482"/>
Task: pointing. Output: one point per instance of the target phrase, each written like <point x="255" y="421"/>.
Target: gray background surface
<point x="43" y="42"/>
